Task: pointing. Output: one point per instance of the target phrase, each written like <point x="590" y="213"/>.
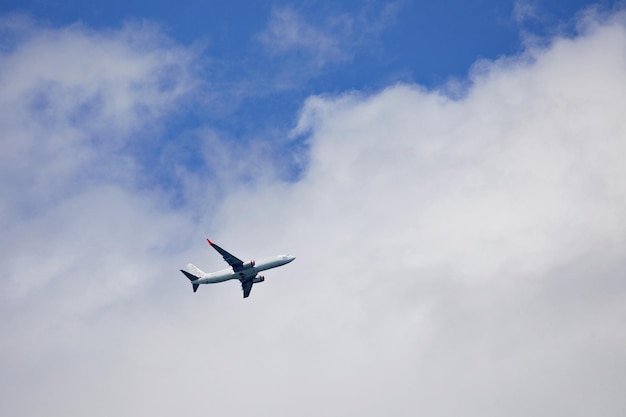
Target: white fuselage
<point x="247" y="272"/>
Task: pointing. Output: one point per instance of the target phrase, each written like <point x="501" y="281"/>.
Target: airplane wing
<point x="232" y="260"/>
<point x="246" y="286"/>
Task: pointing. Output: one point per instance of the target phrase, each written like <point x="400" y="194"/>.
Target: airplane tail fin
<point x="192" y="277"/>
<point x="196" y="271"/>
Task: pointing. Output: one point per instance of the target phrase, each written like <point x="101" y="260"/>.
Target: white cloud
<point x="464" y="249"/>
<point x="78" y="237"/>
<point x="455" y="257"/>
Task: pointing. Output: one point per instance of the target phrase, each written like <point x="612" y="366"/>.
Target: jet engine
<point x="249" y="264"/>
<point x="258" y="279"/>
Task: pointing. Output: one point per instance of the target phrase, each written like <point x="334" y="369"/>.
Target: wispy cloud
<point x="524" y="10"/>
<point x="288" y="32"/>
<point x="330" y="39"/>
<point x="74" y="97"/>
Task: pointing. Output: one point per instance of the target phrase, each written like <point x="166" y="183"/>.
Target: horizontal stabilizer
<point x="191" y="277"/>
<point x="193" y="280"/>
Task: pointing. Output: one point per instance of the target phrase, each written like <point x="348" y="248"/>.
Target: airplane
<point x="245" y="272"/>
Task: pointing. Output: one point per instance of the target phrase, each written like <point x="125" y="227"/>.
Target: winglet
<point x="210" y="243"/>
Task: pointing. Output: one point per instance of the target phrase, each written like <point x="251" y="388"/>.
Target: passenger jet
<point x="245" y="272"/>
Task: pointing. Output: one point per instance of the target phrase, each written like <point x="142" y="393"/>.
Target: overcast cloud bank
<point x="455" y="256"/>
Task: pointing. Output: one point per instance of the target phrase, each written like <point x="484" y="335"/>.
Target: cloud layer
<point x="77" y="107"/>
<point x="455" y="256"/>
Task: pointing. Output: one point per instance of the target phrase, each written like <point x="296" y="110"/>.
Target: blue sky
<point x="450" y="178"/>
<point x="258" y="88"/>
<point x="423" y="42"/>
<point x="429" y="41"/>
